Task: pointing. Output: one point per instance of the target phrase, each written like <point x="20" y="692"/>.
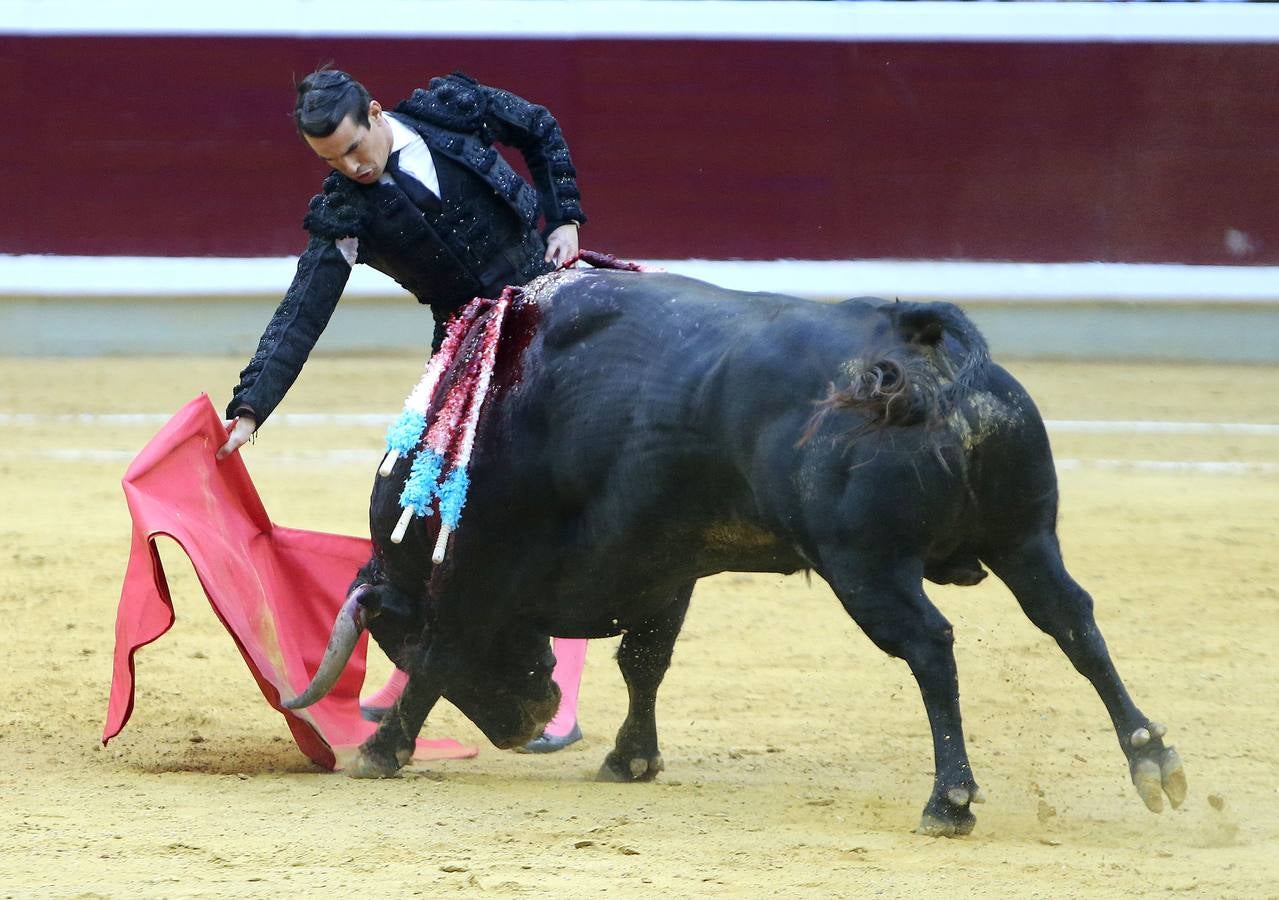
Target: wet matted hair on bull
<point x="325" y="98"/>
<point x="914" y="378"/>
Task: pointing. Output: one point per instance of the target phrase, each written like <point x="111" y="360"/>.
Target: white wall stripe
<point x="79" y="277"/>
<point x="642" y="19"/>
<point x="381" y="420"/>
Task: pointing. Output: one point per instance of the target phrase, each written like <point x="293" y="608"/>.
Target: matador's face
<point x="357" y="151"/>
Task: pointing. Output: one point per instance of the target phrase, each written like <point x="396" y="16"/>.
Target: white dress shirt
<point x="415" y="156"/>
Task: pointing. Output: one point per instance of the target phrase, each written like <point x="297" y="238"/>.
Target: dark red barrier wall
<point x="1048" y="152"/>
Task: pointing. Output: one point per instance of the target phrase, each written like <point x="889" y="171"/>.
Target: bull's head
<point x="506" y="689"/>
<point x="509" y="700"/>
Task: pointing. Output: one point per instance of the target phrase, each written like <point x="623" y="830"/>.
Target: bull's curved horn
<point x="350" y="621"/>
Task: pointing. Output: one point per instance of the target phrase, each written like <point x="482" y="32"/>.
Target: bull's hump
<point x="542" y="290"/>
<point x="577" y="304"/>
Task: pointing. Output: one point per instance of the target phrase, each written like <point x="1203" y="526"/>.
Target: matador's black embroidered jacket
<point x="483" y="238"/>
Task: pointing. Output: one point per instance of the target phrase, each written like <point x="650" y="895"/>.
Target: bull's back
<point x="667" y="334"/>
<point x="639" y="384"/>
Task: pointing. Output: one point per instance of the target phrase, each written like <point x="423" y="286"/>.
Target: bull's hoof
<point x="371" y="763"/>
<point x="622" y="769"/>
<point x="947" y="814"/>
<point x="1156" y="769"/>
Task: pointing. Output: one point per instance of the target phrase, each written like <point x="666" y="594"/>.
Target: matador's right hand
<point x="239" y="430"/>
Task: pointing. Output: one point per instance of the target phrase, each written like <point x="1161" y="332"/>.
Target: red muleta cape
<point x="277" y="590"/>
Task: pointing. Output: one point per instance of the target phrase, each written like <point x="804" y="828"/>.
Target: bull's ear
<point x="371" y="599"/>
<point x="918" y="324"/>
<point x="387" y="600"/>
<point x="930" y="333"/>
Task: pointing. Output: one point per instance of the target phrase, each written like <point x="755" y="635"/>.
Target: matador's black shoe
<point x="549" y="743"/>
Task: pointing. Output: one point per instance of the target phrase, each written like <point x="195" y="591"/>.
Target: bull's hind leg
<point x="886" y="599"/>
<point x="644" y="655"/>
<point x="1036" y="575"/>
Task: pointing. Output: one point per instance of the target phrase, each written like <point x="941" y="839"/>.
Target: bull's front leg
<point x="886" y="598"/>
<point x="1035" y="573"/>
<point x="391" y="747"/>
<point x="643" y="657"/>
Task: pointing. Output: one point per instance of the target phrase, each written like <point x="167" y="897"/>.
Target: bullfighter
<point x="420" y="194"/>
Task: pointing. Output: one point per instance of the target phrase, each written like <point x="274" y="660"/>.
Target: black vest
<point x="478" y="242"/>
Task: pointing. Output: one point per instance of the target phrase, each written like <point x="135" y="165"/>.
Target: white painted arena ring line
<point x="343" y="457"/>
<point x="757" y="20"/>
<point x="288" y="457"/>
<point x="1131" y="426"/>
<point x="369" y="458"/>
<point x="382" y="420"/>
<point x="155" y="420"/>
<point x="1174" y="466"/>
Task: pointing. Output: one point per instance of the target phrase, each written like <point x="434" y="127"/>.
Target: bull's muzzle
<point x="351" y="621"/>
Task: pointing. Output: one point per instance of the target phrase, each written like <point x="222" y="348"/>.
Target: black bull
<point x="646" y="430"/>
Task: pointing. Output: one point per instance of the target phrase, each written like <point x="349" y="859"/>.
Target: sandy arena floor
<point x="797" y="755"/>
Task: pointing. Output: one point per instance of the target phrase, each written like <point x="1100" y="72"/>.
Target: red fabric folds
<point x="277" y="590"/>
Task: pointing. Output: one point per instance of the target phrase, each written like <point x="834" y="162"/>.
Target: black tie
<point x="419" y="193"/>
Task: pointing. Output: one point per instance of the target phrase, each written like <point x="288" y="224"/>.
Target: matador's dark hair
<point x="325" y="98"/>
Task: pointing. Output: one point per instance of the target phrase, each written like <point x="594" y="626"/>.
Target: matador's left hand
<point x="561" y="244"/>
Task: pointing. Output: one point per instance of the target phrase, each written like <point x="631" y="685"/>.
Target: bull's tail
<point x="928" y="363"/>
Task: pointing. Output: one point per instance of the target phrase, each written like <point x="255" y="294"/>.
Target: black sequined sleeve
<point x="297" y="324"/>
<point x="532" y="130"/>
